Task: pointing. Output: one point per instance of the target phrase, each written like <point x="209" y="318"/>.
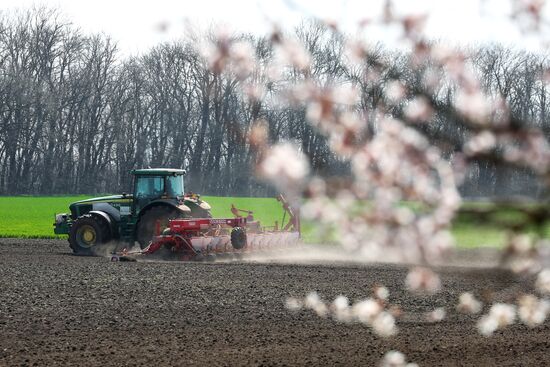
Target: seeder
<point x="199" y="239"/>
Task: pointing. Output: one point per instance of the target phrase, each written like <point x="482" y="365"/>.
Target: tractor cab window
<point x="174" y="186"/>
<point x="149" y="187"/>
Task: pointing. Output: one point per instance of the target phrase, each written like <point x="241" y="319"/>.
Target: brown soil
<point x="59" y="309"/>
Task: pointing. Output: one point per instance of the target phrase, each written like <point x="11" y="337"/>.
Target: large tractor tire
<point x="88" y="234"/>
<point x="146" y="225"/>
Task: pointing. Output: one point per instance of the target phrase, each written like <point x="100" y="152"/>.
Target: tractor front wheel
<point x="87" y="233"/>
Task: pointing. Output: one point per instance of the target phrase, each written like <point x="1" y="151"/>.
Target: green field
<point x="33" y="217"/>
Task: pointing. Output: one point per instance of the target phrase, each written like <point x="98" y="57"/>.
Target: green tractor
<point x="158" y="197"/>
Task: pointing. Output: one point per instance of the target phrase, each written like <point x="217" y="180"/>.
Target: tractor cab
<point x="157" y="183"/>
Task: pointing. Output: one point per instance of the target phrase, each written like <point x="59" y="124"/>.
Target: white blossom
<point x="532" y="311"/>
<point x="395" y="358"/>
<point x="292" y="52"/>
<point x="505" y="314"/>
<point x="436" y="315"/>
<point x="285" y="166"/>
<point x="500" y="315"/>
<point x="312" y="300"/>
<point x="384" y="324"/>
<point x="382" y="293"/>
<point x="487" y="325"/>
<point x="340" y="303"/>
<point x="395" y="91"/>
<point x="293" y="304"/>
<point x="243" y="58"/>
<point x="340" y="309"/>
<point x="418" y="110"/>
<point x="467" y="303"/>
<point x="423" y="280"/>
<point x="481" y="143"/>
<point x="314" y="303"/>
<point x="473" y="105"/>
<point x="366" y="311"/>
<point x="543" y="281"/>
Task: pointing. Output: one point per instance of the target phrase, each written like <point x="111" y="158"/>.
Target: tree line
<point x="76" y="116"/>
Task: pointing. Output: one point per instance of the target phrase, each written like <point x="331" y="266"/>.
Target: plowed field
<point x="59" y="309"/>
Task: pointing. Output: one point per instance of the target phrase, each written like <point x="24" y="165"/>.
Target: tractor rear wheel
<point x="87" y="234"/>
<point x="147" y="223"/>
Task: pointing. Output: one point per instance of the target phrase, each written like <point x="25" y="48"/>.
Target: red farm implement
<point x="207" y="238"/>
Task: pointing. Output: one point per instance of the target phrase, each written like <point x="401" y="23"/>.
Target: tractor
<point x="158" y="197"/>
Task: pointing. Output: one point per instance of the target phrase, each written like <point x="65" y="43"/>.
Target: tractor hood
<point x="105" y="199"/>
<point x="114" y="205"/>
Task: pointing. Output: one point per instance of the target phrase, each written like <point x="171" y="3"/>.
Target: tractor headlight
<point x="60" y="218"/>
<point x="205" y="205"/>
<point x="184" y="208"/>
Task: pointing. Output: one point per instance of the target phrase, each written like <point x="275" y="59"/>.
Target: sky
<point x="137" y="24"/>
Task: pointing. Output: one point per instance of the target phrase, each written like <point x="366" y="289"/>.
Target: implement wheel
<point x="238" y="238"/>
<point x="87" y="234"/>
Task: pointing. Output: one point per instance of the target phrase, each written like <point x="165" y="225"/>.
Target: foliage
<point x="76" y="116"/>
